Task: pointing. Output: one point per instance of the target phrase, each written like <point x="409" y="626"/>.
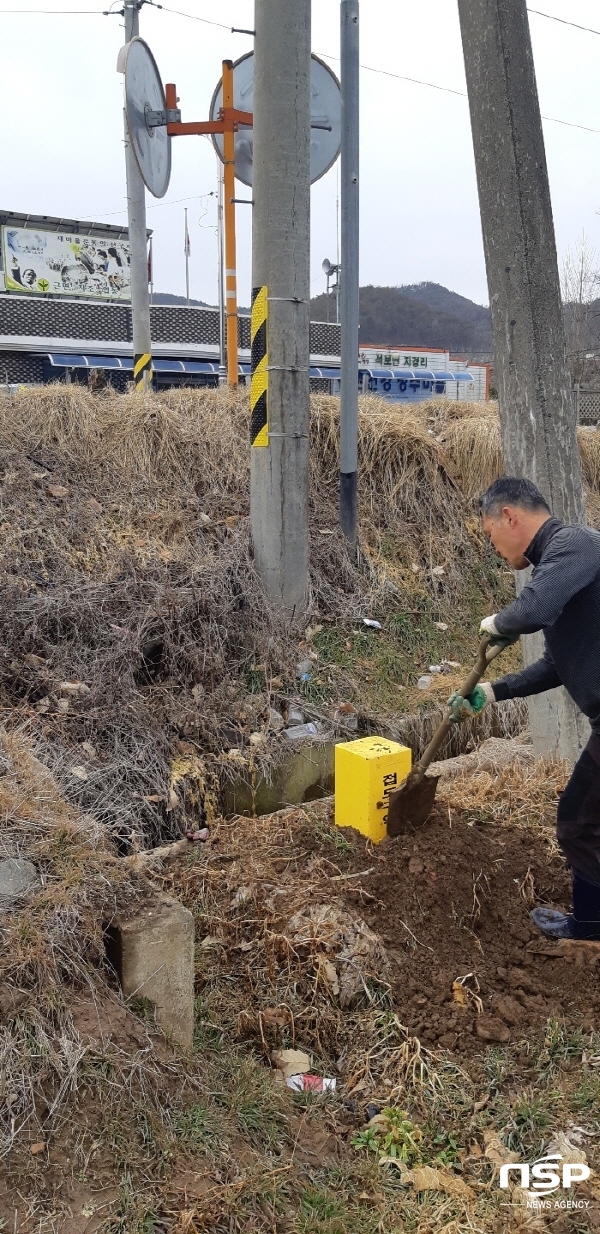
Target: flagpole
<point x="186" y="245"/>
<point x="151" y="271"/>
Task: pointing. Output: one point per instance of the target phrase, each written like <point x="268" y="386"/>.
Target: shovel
<point x="411" y="804"/>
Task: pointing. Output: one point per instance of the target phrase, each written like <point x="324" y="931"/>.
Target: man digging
<point x="562" y="598"/>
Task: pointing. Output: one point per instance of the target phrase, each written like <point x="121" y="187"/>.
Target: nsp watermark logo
<point x="544" y="1178"/>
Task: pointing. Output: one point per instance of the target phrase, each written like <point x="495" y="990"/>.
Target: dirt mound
<point x="451" y="907"/>
<point x="312" y="927"/>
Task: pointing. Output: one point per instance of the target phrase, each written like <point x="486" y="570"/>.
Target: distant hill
<point x="421" y="315"/>
<point x="165" y="297"/>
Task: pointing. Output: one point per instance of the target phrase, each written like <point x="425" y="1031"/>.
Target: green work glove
<point x="463" y="708"/>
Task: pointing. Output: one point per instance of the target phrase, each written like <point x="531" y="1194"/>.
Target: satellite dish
<point x="144" y="95"/>
<point x="325" y="114"/>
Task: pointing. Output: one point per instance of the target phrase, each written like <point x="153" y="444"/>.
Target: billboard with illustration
<point x="59" y="263"/>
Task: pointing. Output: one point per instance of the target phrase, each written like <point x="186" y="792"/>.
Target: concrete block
<point x="154" y="958"/>
<point x="18" y="877"/>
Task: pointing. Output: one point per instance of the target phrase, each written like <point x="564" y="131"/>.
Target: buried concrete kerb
<point x="153" y="955"/>
<point x="307" y="773"/>
<point x="302" y="775"/>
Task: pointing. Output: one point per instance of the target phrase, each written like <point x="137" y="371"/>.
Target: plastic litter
<point x="301" y="730"/>
<point x="424" y="683"/>
<point x="311" y="1083"/>
<point x="373" y="625"/>
<point x="304" y="667"/>
<point x="295" y="716"/>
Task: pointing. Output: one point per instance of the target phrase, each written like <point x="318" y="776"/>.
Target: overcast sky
<point x="62" y="151"/>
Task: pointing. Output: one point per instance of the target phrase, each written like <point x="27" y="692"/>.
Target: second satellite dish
<point x="144" y="98"/>
<point x="325" y="114"/>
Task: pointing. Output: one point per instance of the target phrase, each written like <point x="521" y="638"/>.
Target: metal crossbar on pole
<point x="229" y="120"/>
<point x="349" y="55"/>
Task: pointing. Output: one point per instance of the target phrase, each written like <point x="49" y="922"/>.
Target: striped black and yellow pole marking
<point x="142" y="370"/>
<point x="259" y="386"/>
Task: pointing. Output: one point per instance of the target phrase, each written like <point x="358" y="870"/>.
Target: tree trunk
<point x="537" y="407"/>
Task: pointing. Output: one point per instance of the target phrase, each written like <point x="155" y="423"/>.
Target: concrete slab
<point x="154" y="958"/>
<point x="18" y="877"/>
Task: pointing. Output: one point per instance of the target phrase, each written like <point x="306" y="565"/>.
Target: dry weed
<point x="521" y="794"/>
<point x="138" y="580"/>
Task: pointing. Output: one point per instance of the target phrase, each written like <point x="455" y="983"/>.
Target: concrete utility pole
<point x="537" y="408"/>
<point x="281" y="301"/>
<point x="136" y="213"/>
<point x="349" y="56"/>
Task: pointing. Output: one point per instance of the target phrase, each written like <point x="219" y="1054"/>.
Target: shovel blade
<point x="411" y="805"/>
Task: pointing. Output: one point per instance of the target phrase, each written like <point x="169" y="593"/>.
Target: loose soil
<point x="437" y="924"/>
<point x="455" y="900"/>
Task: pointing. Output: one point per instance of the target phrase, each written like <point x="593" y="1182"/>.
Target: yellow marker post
<point x="366" y="772"/>
<point x="259" y="382"/>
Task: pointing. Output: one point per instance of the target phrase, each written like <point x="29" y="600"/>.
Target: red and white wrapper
<point x="311" y="1083"/>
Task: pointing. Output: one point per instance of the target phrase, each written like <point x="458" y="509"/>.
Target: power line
<point x="368" y="68"/>
<point x="400" y="77"/>
<point x="192" y="17"/>
<point x="107" y="214"/>
<point x="563" y="21"/>
<point x="223" y="26"/>
<point x="447" y="90"/>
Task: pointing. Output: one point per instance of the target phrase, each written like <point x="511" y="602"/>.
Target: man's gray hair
<point x="511" y="491"/>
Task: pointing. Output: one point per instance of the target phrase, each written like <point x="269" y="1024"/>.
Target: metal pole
<point x="187" y="257"/>
<point x="220" y="238"/>
<point x="280" y="389"/>
<point x="348" y="294"/>
<point x="230" y="247"/>
<point x="136" y="213"/>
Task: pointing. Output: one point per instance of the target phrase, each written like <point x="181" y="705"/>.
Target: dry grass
<point x="148" y="1142"/>
<point x="153" y="603"/>
<point x="139" y="582"/>
<point x="589" y="445"/>
<point x="516" y="794"/>
<point x="473" y="443"/>
<point x="470" y="434"/>
<point x="52" y="950"/>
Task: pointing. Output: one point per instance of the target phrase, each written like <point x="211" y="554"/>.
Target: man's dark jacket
<point x="562" y="598"/>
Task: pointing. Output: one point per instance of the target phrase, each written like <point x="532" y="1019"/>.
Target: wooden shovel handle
<point x="487" y="652"/>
